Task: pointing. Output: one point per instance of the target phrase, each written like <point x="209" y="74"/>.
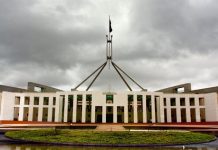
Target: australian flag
<point x="110" y="28"/>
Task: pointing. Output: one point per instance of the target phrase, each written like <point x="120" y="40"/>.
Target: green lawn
<point x="123" y="137"/>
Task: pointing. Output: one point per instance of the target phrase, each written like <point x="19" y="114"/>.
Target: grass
<point x="123" y="137"/>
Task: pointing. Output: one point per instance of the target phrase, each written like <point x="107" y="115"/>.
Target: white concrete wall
<point x="210" y="100"/>
<point x="7" y="106"/>
<point x="211" y="107"/>
<point x="7" y="100"/>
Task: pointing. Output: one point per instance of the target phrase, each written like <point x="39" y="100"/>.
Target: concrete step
<point x="110" y="128"/>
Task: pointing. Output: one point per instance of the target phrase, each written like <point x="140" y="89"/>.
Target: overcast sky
<point x="159" y="43"/>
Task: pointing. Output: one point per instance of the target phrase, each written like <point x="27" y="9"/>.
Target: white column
<point x="188" y="115"/>
<point x="161" y="109"/>
<point x="114" y="114"/>
<point x="30" y="116"/>
<point x="57" y="110"/>
<point x="74" y="108"/>
<point x="135" y="109"/>
<point x="144" y="109"/>
<point x="158" y="107"/>
<point x="169" y="119"/>
<point x="21" y="108"/>
<point x="50" y="104"/>
<point x="178" y="114"/>
<point x="211" y="107"/>
<point x="178" y="110"/>
<point x="103" y="114"/>
<point x="152" y="109"/>
<point x="84" y="109"/>
<point x="40" y="108"/>
<point x="197" y="110"/>
<point x="126" y="114"/>
<point x="60" y="108"/>
<point x="93" y="114"/>
<point x="65" y="107"/>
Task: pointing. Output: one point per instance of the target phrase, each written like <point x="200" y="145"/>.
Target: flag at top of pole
<point x="110" y="28"/>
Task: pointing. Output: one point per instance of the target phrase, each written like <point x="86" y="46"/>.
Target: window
<point x="16" y="113"/>
<point x="120" y="109"/>
<point x="130" y="108"/>
<point x="192" y="101"/>
<point x="79" y="97"/>
<point x="54" y="100"/>
<point x="182" y="101"/>
<point x="27" y="101"/>
<point x="172" y="101"/>
<point x="88" y="108"/>
<point x="130" y="104"/>
<point x="89" y="99"/>
<point x="70" y="102"/>
<point x="98" y="108"/>
<point x="139" y="99"/>
<point x="130" y="100"/>
<point x="36" y="100"/>
<point x="109" y="99"/>
<point x="181" y="90"/>
<point x="201" y="101"/>
<point x="37" y="89"/>
<point x="148" y="104"/>
<point x="109" y="109"/>
<point x="165" y="102"/>
<point x="130" y="97"/>
<point x="45" y="101"/>
<point x="17" y="100"/>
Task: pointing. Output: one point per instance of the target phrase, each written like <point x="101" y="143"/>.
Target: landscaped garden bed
<point x="107" y="137"/>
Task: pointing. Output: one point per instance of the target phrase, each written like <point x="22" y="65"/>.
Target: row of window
<point x="35" y="100"/>
<point x="109" y="100"/>
<point x="183" y="102"/>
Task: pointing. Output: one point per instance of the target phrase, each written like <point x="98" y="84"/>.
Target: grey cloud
<point x="27" y="37"/>
<point x="188" y="27"/>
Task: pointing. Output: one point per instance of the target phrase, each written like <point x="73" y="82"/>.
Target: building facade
<point x="108" y="107"/>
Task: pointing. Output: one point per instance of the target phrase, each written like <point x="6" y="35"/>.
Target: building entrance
<point x="120" y="114"/>
<point x="109" y="118"/>
<point x="109" y="114"/>
<point x="99" y="119"/>
<point x="98" y="114"/>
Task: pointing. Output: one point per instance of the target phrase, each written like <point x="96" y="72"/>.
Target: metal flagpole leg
<point x="128" y="76"/>
<point x="121" y="77"/>
<point x="90" y="75"/>
<point x="96" y="76"/>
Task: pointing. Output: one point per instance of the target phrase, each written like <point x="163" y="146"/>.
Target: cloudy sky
<point x="159" y="43"/>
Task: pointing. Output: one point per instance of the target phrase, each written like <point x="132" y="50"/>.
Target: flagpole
<point x="109" y="27"/>
<point x="108" y="42"/>
<point x="107" y="47"/>
<point x="109" y="61"/>
<point x="111" y="47"/>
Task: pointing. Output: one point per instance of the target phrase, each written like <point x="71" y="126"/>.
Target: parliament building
<point x="46" y="104"/>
